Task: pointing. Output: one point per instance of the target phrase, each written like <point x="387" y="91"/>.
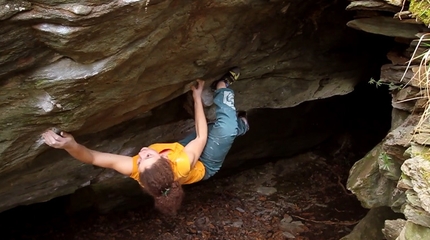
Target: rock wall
<point x="395" y="173"/>
<point x="114" y="73"/>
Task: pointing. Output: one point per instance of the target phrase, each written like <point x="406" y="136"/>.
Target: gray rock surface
<point x="370" y="227"/>
<point x="112" y="73"/>
<point x="393" y="228"/>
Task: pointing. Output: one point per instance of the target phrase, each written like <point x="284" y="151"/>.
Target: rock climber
<point x="162" y="168"/>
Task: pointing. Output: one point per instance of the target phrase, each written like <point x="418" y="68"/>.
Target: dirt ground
<point x="303" y="197"/>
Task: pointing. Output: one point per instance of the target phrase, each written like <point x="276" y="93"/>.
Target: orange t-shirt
<point x="178" y="160"/>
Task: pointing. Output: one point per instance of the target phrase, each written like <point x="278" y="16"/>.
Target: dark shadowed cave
<point x="115" y="74"/>
<point x="348" y="126"/>
<point x="342" y="128"/>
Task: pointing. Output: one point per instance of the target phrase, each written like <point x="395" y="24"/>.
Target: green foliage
<point x="391" y="86"/>
<point x="386" y="161"/>
<point x="421" y="10"/>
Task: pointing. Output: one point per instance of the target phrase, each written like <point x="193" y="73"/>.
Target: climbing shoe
<point x="231" y="76"/>
<point x="242" y="115"/>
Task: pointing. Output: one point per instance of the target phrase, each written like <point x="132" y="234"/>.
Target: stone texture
<point x="387" y="26"/>
<point x="398" y="140"/>
<point x="373" y="179"/>
<point x="403" y="157"/>
<point x="414" y="212"/>
<point x="291" y="228"/>
<point x="372" y="5"/>
<point x="404" y="98"/>
<point x="105" y="70"/>
<point x="417" y="206"/>
<point x="9" y="8"/>
<point x="397" y="58"/>
<point x="371" y="187"/>
<point x="422" y="135"/>
<point x="397" y="75"/>
<point x="408" y="85"/>
<point x="414" y="232"/>
<point x="392" y="228"/>
<point x="395" y="2"/>
<point x="114" y="194"/>
<point x="310" y="123"/>
<point x="370" y="227"/>
<point x="398" y="117"/>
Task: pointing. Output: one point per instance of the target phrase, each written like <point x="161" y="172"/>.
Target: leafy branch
<point x="391" y="86"/>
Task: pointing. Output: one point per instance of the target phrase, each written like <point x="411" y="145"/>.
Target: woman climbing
<point x="162" y="168"/>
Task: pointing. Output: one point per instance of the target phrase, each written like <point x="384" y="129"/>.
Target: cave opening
<point x="292" y="183"/>
<point x="342" y="129"/>
<point x="352" y="123"/>
<point x="311" y="146"/>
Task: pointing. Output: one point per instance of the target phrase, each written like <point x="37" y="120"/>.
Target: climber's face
<point x="147" y="157"/>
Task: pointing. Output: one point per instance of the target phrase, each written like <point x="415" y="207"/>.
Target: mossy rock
<point x="421" y="10"/>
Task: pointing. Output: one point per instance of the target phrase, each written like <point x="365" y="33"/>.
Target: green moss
<point x="421" y="10"/>
<point x="426" y="156"/>
<point x="424" y="153"/>
<point x="404" y="176"/>
<point x="426" y="176"/>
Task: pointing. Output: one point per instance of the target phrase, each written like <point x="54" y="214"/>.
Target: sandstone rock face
<point x="112" y="73"/>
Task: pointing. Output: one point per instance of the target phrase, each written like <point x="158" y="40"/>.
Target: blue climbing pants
<point x="221" y="133"/>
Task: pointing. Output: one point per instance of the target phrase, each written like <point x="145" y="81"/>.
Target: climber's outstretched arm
<point x="195" y="147"/>
<point x="120" y="163"/>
